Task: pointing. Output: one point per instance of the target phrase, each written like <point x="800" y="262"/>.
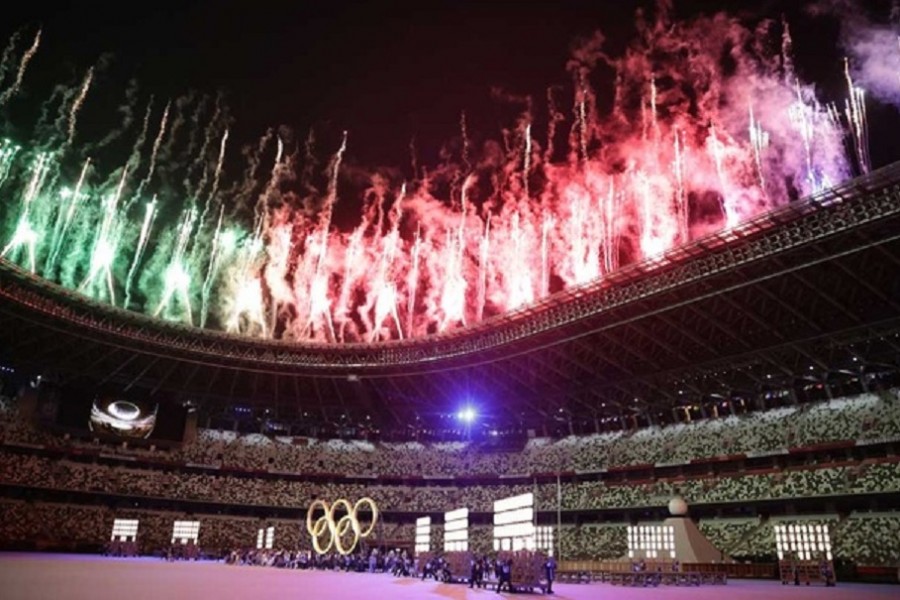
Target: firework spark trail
<point x="106" y="242"/>
<point x="556" y="117"/>
<point x="209" y="134"/>
<point x="261" y="210"/>
<point x="199" y="155"/>
<point x="212" y="268"/>
<point x="651" y="240"/>
<point x="248" y="306"/>
<point x="526" y="162"/>
<point x="247" y="309"/>
<point x="580" y="242"/>
<point x="681" y="207"/>
<point x="610" y="235"/>
<point x="8" y="152"/>
<point x="155" y="151"/>
<point x="177" y="276"/>
<point x="759" y="139"/>
<point x="521" y="291"/>
<point x="547" y="226"/>
<point x="332" y="197"/>
<point x="413" y="158"/>
<point x="717" y="151"/>
<point x="126" y="110"/>
<point x="412" y="280"/>
<point x="142" y="136"/>
<point x="319" y="303"/>
<point x="280" y="251"/>
<point x="464" y="132"/>
<point x="585" y="235"/>
<point x="217" y="176"/>
<point x="78" y="103"/>
<point x="483" y="262"/>
<point x="143" y="238"/>
<point x="354" y="266"/>
<point x="197" y="247"/>
<point x="381" y="289"/>
<point x="6" y="58"/>
<point x="803" y="118"/>
<point x="645" y="121"/>
<point x="383" y="299"/>
<point x="582" y="125"/>
<point x="25" y="233"/>
<point x="453" y="295"/>
<point x="244" y="308"/>
<point x="787" y="49"/>
<point x="855" y="112"/>
<point x="20" y="74"/>
<point x="654" y="111"/>
<point x="64" y="218"/>
<point x="168" y="161"/>
<point x="247" y="303"/>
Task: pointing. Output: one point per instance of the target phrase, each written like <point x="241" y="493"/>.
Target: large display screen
<point x="123" y="418"/>
<point x="107" y="412"/>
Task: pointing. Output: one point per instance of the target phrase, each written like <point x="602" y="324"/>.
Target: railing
<point x="604" y="570"/>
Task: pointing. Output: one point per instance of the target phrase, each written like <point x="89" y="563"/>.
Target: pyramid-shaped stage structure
<point x="691" y="546"/>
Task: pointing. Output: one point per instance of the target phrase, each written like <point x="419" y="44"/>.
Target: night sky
<point x="382" y="71"/>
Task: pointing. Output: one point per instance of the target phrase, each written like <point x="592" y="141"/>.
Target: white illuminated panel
<point x="514" y="502"/>
<point x="185" y="531"/>
<point x="651" y="541"/>
<point x="423" y="534"/>
<point x="518" y="515"/>
<point x="123" y="529"/>
<point x="514" y="523"/>
<point x="456" y="530"/>
<point x="265" y="538"/>
<point x="544" y="537"/>
<point x="804" y="541"/>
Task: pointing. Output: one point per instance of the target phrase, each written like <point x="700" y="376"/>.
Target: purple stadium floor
<point x="65" y="577"/>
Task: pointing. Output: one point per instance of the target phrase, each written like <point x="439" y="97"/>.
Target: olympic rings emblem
<point x="337" y="530"/>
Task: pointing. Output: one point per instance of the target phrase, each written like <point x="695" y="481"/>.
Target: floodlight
<point x="466" y="415"/>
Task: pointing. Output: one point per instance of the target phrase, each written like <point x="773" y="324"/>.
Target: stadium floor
<point x="78" y="577"/>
